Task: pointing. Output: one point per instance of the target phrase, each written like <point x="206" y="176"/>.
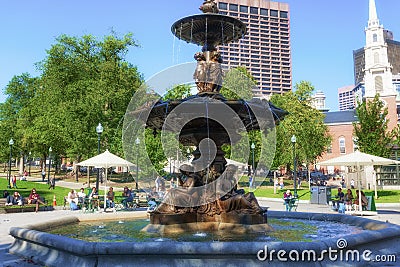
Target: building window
<point x="244" y="9"/>
<point x="263" y="12"/>
<point x="378" y="84"/>
<point x="254" y="10"/>
<point x="233" y="7"/>
<point x="342" y="145"/>
<point x="329" y="149"/>
<point x="284" y="14"/>
<point x="274" y="13"/>
<point x="375" y="38"/>
<point x="223" y="6"/>
<point x="376" y="58"/>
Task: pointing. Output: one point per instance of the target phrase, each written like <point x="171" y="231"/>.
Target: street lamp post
<point x="293" y="139"/>
<point x="99" y="130"/>
<point x="253" y="146"/>
<point x="137" y="161"/>
<point x="188" y="154"/>
<point x="48" y="175"/>
<point x="30" y="162"/>
<point x="11" y="142"/>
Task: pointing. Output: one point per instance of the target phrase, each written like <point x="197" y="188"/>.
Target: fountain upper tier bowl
<point x="209" y="29"/>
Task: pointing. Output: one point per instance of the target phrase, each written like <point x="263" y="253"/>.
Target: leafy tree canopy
<point x="83" y="81"/>
<point x="238" y="84"/>
<point x="371" y="131"/>
<point x="303" y="121"/>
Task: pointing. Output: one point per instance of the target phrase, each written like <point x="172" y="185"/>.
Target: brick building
<point x="376" y="77"/>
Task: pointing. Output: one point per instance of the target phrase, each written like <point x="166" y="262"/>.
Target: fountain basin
<point x="54" y="250"/>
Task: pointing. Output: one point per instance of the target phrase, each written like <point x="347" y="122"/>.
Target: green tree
<point x="16" y="115"/>
<point x="238" y="84"/>
<point x="84" y="81"/>
<point x="156" y="148"/>
<point x="303" y="121"/>
<point x="371" y="131"/>
<point x="178" y="92"/>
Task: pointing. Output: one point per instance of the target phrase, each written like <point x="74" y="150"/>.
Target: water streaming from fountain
<point x="213" y="196"/>
<point x="53" y="250"/>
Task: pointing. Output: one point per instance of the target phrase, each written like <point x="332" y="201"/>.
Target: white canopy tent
<point x="236" y="163"/>
<point x="358" y="159"/>
<point x="105" y="160"/>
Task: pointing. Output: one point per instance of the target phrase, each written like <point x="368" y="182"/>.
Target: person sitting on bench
<point x="364" y="200"/>
<point x="110" y="198"/>
<point x="14" y="199"/>
<point x="34" y="198"/>
<point x="339" y="199"/>
<point x="128" y="197"/>
<point x="288" y="198"/>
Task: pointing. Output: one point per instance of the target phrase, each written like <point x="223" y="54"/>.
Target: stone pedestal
<point x="191" y="222"/>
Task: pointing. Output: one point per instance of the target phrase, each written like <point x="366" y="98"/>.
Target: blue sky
<point x="323" y="34"/>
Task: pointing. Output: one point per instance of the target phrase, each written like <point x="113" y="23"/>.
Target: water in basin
<point x="287" y="230"/>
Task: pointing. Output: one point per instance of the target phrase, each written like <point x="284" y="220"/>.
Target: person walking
<point x="52" y="182"/>
<point x="14" y="181"/>
<point x="43" y="174"/>
<point x="158" y="184"/>
<point x="352" y="184"/>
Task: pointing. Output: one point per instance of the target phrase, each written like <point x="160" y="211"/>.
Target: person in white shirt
<point x="81" y="195"/>
<point x="72" y="197"/>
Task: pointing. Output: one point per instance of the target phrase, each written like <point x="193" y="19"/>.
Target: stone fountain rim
<point x="364" y="223"/>
<point x="31" y="242"/>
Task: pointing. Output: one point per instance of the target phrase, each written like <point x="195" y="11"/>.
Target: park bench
<point x="291" y="204"/>
<point x="23" y="208"/>
<point x="369" y="207"/>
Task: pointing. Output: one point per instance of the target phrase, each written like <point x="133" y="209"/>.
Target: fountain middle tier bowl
<point x="197" y="111"/>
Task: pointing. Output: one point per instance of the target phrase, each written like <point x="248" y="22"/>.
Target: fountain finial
<point x="209" y="6"/>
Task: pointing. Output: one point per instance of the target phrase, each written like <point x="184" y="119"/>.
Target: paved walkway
<point x="72" y="185"/>
<point x="386" y="213"/>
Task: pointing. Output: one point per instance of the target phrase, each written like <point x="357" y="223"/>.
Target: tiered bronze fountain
<point x="208" y="191"/>
<point x="210" y="200"/>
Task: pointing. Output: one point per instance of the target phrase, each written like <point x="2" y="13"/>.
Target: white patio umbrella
<point x="358" y="159"/>
<point x="236" y="163"/>
<point x="106" y="160"/>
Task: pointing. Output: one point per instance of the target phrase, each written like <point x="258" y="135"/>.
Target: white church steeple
<point x="378" y="70"/>
<point x="373" y="15"/>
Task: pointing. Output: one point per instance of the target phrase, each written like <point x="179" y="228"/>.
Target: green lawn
<point x="268" y="192"/>
<point x="384" y="196"/>
<point x="25" y="187"/>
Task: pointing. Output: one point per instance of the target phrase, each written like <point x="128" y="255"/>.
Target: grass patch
<point x="384" y="196"/>
<point x="290" y="231"/>
<point x="25" y="187"/>
<point x="268" y="192"/>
